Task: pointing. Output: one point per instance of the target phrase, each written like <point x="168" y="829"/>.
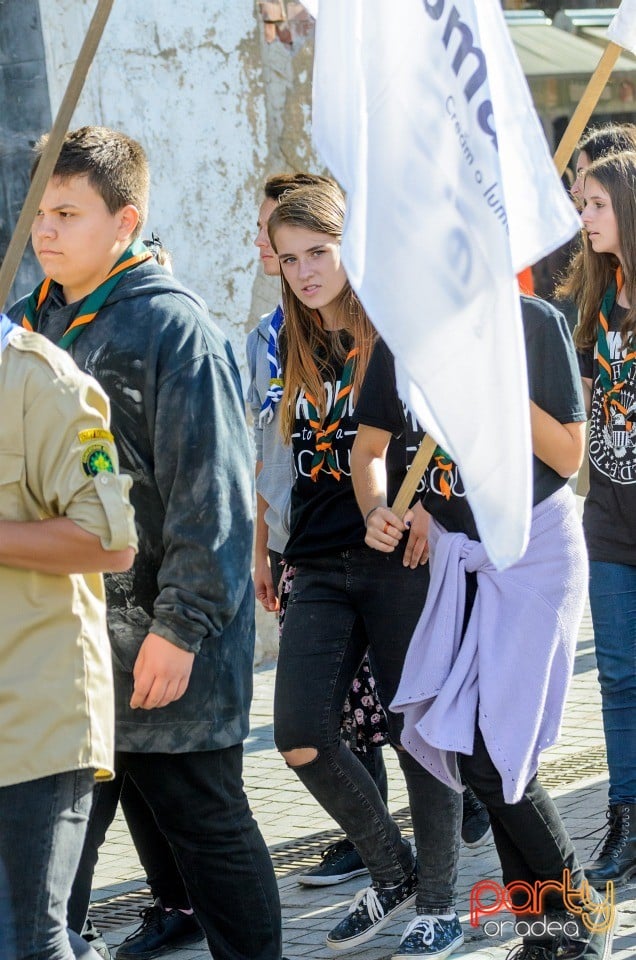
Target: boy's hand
<point x="161" y="673"/>
<point x="264" y="584"/>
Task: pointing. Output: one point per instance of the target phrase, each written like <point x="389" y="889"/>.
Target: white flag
<point x="421" y="111"/>
<point x="622" y="29"/>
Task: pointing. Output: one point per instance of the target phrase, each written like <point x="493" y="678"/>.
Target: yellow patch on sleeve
<point x="85" y="436"/>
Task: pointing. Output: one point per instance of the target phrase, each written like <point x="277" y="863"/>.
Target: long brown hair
<point x="305" y="344"/>
<point x="590" y="274"/>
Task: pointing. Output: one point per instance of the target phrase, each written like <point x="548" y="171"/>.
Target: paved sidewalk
<point x="296" y="829"/>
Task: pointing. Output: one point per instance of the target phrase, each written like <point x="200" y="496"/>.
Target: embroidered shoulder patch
<point x="85" y="436"/>
<point x="96" y="459"/>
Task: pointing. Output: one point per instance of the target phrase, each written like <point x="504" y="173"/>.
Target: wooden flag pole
<point x="413" y="476"/>
<point x="51" y="152"/>
<point x="586" y="106"/>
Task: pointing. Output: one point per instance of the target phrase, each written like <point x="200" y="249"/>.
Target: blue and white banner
<point x="422" y="113"/>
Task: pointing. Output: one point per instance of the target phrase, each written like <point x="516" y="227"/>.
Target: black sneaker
<point x="530" y="951"/>
<point x="160" y="932"/>
<point x="371" y="910"/>
<point x="476" y="828"/>
<point x="340" y="861"/>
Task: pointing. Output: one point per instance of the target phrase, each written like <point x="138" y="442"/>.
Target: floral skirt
<point x="363" y="725"/>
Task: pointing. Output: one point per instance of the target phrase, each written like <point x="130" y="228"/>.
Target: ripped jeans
<point x="340" y="606"/>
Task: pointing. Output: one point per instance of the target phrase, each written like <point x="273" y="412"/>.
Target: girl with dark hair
<point x="597" y="143"/>
<point x="605" y="279"/>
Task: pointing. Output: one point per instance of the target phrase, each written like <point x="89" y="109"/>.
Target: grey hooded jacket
<point x="276" y="479"/>
<point x="179" y="424"/>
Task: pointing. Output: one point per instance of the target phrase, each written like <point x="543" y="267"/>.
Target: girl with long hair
<point x="347" y="598"/>
<point x="605" y="281"/>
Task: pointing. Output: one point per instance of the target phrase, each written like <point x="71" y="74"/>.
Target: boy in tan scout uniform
<point x="64" y="517"/>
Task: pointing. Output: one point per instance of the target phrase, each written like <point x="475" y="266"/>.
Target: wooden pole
<point x="413" y="476"/>
<point x="51" y="152"/>
<point x="585" y="109"/>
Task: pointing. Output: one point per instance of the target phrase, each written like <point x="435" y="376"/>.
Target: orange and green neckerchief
<point x="326" y="431"/>
<point x="445" y="465"/>
<point x="135" y="254"/>
<point x="611" y="388"/>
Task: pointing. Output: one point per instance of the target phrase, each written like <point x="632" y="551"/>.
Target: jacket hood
<point x="148" y="279"/>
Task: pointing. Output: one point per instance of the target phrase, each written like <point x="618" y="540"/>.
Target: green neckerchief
<point x="136" y="253"/>
<point x="325" y="432"/>
<point x="611" y="387"/>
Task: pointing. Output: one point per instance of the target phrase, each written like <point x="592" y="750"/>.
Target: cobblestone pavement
<point x="297" y="829"/>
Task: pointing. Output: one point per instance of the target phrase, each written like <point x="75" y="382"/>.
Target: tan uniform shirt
<point x="57" y="459"/>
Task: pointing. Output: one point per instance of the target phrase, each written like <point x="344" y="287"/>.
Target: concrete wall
<point x="24" y="114"/>
<point x="186" y="80"/>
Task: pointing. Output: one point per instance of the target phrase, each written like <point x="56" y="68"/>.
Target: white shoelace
<point x="425" y="926"/>
<point x="369" y="898"/>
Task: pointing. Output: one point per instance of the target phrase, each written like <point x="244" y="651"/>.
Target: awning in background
<point x="546" y="51"/>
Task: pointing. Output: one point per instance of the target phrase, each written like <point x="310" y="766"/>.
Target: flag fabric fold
<point x="622" y="29"/>
<point x="422" y="113"/>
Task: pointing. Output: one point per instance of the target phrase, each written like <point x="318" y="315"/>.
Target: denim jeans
<point x="42" y="825"/>
<point x="154" y="851"/>
<point x="341" y="605"/>
<point x="613" y="605"/>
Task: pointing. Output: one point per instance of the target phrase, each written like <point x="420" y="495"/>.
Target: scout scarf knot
<point x="275" y="390"/>
<point x="445" y="466"/>
<point x="6" y="329"/>
<point x="611" y="387"/>
<point x="135" y="254"/>
<point x="326" y="431"/>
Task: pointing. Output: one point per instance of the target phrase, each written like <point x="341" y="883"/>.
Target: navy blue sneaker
<point x="432" y="937"/>
<point x="340" y="862"/>
<point x="372" y="908"/>
<point x="476" y="829"/>
<point x="161" y="931"/>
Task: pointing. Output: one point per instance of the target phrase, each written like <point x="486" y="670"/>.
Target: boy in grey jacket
<point x="181" y="623"/>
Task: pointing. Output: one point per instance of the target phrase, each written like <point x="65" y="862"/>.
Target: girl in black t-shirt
<point x="485" y="679"/>
<point x="347" y="598"/>
<point x="605" y="279"/>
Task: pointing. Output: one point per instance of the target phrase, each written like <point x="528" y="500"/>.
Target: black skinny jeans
<point x="531" y="839"/>
<point x="341" y="605"/>
<point x="200" y="807"/>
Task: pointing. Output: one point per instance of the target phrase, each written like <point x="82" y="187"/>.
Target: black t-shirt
<point x="554" y="386"/>
<point x="609" y="516"/>
<point x="325" y="517"/>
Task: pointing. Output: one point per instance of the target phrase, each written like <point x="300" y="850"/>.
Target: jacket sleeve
<point x="254" y="398"/>
<point x="203" y="470"/>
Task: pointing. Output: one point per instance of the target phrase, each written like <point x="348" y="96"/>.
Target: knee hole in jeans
<point x="299" y="756"/>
